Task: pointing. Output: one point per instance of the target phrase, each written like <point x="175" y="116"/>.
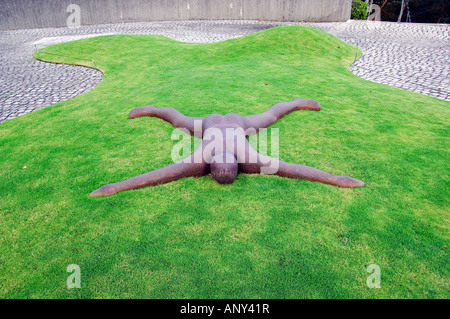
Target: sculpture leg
<point x="168" y="114"/>
<point x="276" y="112"/>
<point x="142" y="111"/>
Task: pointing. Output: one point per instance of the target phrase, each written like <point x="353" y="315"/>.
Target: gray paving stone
<point x="405" y="55"/>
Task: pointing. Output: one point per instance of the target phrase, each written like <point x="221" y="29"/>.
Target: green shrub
<point x="359" y="10"/>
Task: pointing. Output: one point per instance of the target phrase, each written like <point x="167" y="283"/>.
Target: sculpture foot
<point x="141" y="111"/>
<point x="348" y="182"/>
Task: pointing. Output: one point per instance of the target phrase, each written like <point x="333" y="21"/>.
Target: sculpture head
<point x="224" y="168"/>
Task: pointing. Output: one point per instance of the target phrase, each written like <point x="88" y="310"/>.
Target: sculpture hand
<point x="106" y="190"/>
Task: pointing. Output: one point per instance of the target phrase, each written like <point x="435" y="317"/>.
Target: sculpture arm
<point x="315" y="175"/>
<point x="256" y="163"/>
<point x="160" y="176"/>
<point x="263" y="120"/>
<point x="193" y="165"/>
<point x="168" y="114"/>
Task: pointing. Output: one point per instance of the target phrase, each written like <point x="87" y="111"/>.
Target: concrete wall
<point x="21" y="14"/>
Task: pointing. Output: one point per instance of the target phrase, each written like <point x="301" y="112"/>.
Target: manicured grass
<point x="260" y="237"/>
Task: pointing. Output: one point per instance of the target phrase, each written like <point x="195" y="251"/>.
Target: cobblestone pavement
<point x="409" y="56"/>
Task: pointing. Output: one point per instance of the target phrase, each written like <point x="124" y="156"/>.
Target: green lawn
<point x="260" y="237"/>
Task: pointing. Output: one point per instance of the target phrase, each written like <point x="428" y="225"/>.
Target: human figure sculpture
<point x="231" y="154"/>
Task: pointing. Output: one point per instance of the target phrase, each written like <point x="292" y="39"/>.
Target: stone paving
<point x="409" y="56"/>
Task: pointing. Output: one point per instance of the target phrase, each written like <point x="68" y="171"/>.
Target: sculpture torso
<point x="230" y="120"/>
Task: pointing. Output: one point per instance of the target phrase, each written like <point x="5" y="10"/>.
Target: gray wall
<point x="21" y="14"/>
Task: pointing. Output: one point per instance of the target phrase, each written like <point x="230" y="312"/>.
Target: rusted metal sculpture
<point x="235" y="155"/>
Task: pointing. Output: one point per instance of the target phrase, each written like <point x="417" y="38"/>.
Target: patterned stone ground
<point x="409" y="56"/>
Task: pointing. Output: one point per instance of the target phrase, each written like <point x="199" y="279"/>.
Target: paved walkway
<point x="409" y="56"/>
